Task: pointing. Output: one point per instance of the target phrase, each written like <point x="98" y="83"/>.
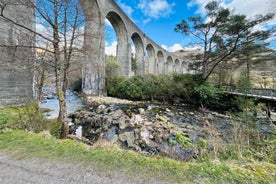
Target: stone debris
<point x="151" y="130"/>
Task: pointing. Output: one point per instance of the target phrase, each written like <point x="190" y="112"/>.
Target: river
<point x="73" y="102"/>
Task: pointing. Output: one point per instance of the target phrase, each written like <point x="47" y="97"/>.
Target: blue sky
<point x="157" y="18"/>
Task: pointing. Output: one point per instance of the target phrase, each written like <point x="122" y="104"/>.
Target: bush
<point x="169" y="88"/>
<point x="112" y="84"/>
<point x="29" y="118"/>
<point x="208" y="95"/>
<point x="134" y="88"/>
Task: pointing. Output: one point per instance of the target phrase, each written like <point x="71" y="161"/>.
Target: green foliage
<point x="112" y="67"/>
<point x="134" y="88"/>
<point x="112" y="79"/>
<point x="185" y="88"/>
<point x="208" y="94"/>
<point x="7" y="116"/>
<point x="134" y="66"/>
<point x="244" y="84"/>
<point x="162" y="88"/>
<point x="223" y="34"/>
<point x="183" y="140"/>
<point x="112" y="84"/>
<point x="28" y="118"/>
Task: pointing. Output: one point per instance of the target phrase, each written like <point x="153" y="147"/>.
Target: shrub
<point x="208" y="95"/>
<point x="28" y="118"/>
<point x="183" y="140"/>
<point x="162" y="88"/>
<point x="134" y="88"/>
<point x="112" y="85"/>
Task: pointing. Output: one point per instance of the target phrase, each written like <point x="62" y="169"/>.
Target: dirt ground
<point x="14" y="170"/>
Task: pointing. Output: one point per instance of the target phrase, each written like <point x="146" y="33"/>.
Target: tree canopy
<point x="223" y="34"/>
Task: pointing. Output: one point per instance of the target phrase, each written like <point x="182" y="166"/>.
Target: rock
<point x="111" y="135"/>
<point x="205" y="123"/>
<point x="118" y="114"/>
<point x="43" y="100"/>
<point x="148" y="123"/>
<point x="141" y="111"/>
<point x="129" y="138"/>
<point x="151" y="131"/>
<point x="101" y="109"/>
<point x="138" y="118"/>
<point x="122" y="124"/>
<point x="79" y="139"/>
<point x="144" y="134"/>
<point x="168" y="110"/>
<point x="162" y="118"/>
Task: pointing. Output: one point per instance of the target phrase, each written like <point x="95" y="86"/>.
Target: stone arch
<point x="122" y="48"/>
<point x="93" y="68"/>
<point x="150" y="59"/>
<point x="139" y="55"/>
<point x="177" y="67"/>
<point x="169" y="65"/>
<point x="160" y="62"/>
<point x="183" y="67"/>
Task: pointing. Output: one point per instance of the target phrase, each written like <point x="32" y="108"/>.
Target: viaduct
<point x="16" y="83"/>
<point x="150" y="57"/>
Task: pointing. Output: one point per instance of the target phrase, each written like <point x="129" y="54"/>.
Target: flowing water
<point x="73" y="102"/>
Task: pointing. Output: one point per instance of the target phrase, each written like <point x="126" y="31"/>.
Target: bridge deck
<point x="260" y="96"/>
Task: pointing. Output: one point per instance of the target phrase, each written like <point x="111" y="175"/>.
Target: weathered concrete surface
<point x="16" y="73"/>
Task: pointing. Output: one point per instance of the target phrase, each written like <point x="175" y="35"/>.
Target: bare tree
<point x="58" y="32"/>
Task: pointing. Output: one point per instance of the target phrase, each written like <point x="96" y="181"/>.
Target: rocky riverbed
<point x="174" y="131"/>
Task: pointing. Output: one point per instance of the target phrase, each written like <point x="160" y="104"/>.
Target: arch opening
<point x="151" y="68"/>
<point x="121" y="47"/>
<point x="160" y="63"/>
<point x="139" y="53"/>
<point x="169" y="65"/>
<point x="183" y="67"/>
<point x="177" y="67"/>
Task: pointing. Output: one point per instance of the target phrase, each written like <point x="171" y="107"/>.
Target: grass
<point x="8" y="115"/>
<point x="105" y="156"/>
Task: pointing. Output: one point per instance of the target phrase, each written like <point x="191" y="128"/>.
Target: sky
<point x="157" y="19"/>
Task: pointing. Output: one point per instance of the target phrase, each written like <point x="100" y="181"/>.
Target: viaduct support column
<point x="93" y="70"/>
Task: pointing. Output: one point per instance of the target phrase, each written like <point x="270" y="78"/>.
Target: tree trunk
<point x="64" y="130"/>
<point x="40" y="84"/>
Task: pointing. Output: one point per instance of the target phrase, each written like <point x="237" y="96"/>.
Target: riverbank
<point x="46" y="159"/>
<point x="222" y="164"/>
<point x="176" y="131"/>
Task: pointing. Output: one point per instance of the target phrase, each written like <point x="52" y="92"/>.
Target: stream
<point x="50" y="101"/>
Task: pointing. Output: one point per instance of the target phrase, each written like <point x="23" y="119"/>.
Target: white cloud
<point x="156" y="8"/>
<point x="127" y="9"/>
<point x="172" y="48"/>
<point x="250" y="8"/>
<point x="107" y="23"/>
<point x="176" y="47"/>
<point x="111" y="49"/>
